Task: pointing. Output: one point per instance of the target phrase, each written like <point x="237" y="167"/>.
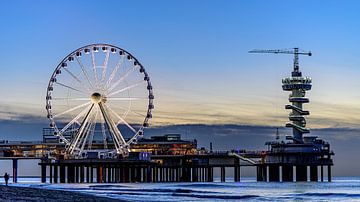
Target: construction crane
<point x="296" y="52"/>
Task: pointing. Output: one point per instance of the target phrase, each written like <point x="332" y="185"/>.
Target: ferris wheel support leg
<point x="84" y="140"/>
<point x="103" y="132"/>
<point x="119" y="140"/>
<point x="89" y="129"/>
<point x="84" y="137"/>
<point x="80" y="133"/>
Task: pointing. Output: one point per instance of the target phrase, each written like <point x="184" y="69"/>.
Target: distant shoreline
<point x="14" y="193"/>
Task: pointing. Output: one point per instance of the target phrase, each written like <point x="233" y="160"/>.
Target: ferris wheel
<point x="99" y="98"/>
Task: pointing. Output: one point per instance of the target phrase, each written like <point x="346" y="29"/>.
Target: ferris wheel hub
<point x="96" y="98"/>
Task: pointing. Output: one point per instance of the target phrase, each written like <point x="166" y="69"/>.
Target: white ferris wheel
<point x="99" y="97"/>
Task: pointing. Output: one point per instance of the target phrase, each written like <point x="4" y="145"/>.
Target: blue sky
<point x="196" y="54"/>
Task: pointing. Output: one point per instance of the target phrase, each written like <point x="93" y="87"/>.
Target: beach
<point x="15" y="193"/>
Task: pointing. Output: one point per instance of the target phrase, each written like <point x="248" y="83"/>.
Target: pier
<point x="160" y="168"/>
<point x="157" y="160"/>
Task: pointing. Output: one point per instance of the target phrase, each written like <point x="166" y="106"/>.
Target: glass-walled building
<point x="170" y="144"/>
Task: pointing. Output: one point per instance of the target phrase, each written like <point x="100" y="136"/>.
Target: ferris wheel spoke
<point x="122" y="120"/>
<point x="91" y="130"/>
<point x="74" y="120"/>
<point x="111" y="125"/>
<point x="83" y="70"/>
<point x="72" y="109"/>
<point x="71" y="130"/>
<point x="105" y="64"/>
<point x="87" y="128"/>
<point x="127" y="88"/>
<point x="90" y="141"/>
<point x="82" y="137"/>
<point x="76" y="78"/>
<point x="103" y="132"/>
<point x="70" y="99"/>
<point x="125" y="98"/>
<point x="94" y="67"/>
<point x="69" y="87"/>
<point x="132" y="111"/>
<point x="113" y="73"/>
<point x="79" y="134"/>
<point x="121" y="79"/>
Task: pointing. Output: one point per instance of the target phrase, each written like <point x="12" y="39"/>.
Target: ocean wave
<point x="344" y="195"/>
<point x="107" y="186"/>
<point x="225" y="197"/>
<point x="206" y="185"/>
<point x="121" y="190"/>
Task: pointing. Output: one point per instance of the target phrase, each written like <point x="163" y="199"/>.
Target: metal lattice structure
<point x="99" y="92"/>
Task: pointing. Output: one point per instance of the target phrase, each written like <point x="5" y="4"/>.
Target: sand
<point x="13" y="193"/>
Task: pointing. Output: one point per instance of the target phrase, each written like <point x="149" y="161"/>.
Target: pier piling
<point x="223" y="174"/>
<point x="287" y="173"/>
<point x="43" y="173"/>
<point x="55" y="174"/>
<point x="313" y="173"/>
<point x="301" y="173"/>
<point x="329" y="173"/>
<point x="15" y="170"/>
<point x="274" y="173"/>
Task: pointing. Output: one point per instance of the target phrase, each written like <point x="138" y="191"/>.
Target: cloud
<point x="21" y="114"/>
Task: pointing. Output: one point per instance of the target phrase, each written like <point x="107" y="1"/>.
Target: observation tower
<point x="301" y="152"/>
<point x="298" y="85"/>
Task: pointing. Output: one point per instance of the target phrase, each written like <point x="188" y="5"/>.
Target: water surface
<point x="341" y="189"/>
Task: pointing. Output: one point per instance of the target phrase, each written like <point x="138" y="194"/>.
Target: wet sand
<point x="12" y="193"/>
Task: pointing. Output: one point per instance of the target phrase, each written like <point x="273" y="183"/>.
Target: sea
<point x="340" y="189"/>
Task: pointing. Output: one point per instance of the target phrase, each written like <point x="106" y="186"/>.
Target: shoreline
<point x="17" y="193"/>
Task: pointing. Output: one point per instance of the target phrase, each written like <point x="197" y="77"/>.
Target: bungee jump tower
<point x="300" y="157"/>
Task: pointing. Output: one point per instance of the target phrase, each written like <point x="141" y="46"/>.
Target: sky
<point x="196" y="53"/>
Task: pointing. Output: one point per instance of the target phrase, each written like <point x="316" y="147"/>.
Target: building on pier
<point x="300" y="158"/>
<point x="169" y="144"/>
